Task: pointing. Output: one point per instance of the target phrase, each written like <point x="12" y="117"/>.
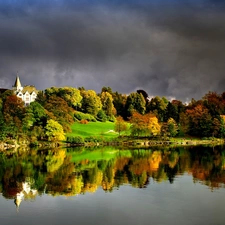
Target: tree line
<point x="50" y="116"/>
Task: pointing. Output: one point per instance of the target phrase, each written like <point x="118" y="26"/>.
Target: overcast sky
<point x="172" y="48"/>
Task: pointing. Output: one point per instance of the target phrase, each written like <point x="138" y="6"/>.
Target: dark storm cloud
<point x="168" y="48"/>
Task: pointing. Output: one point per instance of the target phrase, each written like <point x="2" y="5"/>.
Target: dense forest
<point x="50" y="117"/>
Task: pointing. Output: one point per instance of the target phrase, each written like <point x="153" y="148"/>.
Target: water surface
<point x="112" y="186"/>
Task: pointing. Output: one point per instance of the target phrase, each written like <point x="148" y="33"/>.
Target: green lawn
<point x="104" y="129"/>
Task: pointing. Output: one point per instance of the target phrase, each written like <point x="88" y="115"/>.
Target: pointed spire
<point x="17" y="85"/>
<point x="18" y="200"/>
<point x="17" y="203"/>
<point x="17" y="82"/>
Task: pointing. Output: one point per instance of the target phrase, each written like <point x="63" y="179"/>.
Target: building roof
<point x="29" y="89"/>
<point x="17" y="82"/>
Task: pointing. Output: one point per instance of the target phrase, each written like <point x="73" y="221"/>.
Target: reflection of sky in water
<point x="183" y="202"/>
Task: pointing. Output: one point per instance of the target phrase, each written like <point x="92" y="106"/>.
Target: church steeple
<point x="17" y="85"/>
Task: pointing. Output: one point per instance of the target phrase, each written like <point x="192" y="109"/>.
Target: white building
<point x="27" y="93"/>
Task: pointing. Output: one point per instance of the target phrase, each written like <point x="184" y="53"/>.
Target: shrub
<point x="84" y="121"/>
<point x="93" y="139"/>
<point x="84" y="116"/>
<point x="205" y="138"/>
<point x="101" y="116"/>
<point x="112" y="119"/>
<point x="75" y="140"/>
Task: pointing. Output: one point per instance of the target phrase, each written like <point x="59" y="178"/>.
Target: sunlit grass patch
<point x="98" y="129"/>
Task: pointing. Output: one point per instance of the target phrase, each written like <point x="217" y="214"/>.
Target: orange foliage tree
<point x="200" y="121"/>
<point x="120" y="125"/>
<point x="144" y="124"/>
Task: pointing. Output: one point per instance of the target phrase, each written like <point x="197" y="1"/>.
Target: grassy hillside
<point x="104" y="129"/>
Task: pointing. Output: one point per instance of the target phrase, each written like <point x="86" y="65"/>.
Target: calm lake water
<point x="113" y="186"/>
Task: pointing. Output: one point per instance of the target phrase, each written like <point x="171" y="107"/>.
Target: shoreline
<point x="4" y="146"/>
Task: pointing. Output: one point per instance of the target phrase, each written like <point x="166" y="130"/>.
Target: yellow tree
<point x="107" y="103"/>
<point x="91" y="102"/>
<point x="153" y="124"/>
<point x="144" y="124"/>
<point x="54" y="131"/>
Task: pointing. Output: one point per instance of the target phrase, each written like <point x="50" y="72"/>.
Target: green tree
<point x="135" y="102"/>
<point x="171" y="112"/>
<point x="28" y="121"/>
<point x="71" y="95"/>
<point x="157" y="106"/>
<point x="91" y="103"/>
<point x="39" y="113"/>
<point x="119" y="102"/>
<point x="107" y="89"/>
<point x="222" y="127"/>
<point x="41" y="98"/>
<point x="101" y="116"/>
<point x="107" y="103"/>
<point x="172" y="127"/>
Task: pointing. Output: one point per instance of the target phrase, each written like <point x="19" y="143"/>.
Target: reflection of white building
<point x="25" y="192"/>
<point x="27" y="93"/>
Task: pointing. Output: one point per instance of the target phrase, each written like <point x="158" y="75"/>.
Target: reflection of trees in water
<point x="54" y="172"/>
<point x="208" y="166"/>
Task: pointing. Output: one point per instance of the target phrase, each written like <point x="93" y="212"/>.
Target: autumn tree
<point x="199" y="121"/>
<point x="120" y="125"/>
<point x="153" y="124"/>
<point x="213" y="102"/>
<point x="144" y="124"/>
<point x="13" y="107"/>
<point x="13" y="112"/>
<point x="2" y="122"/>
<point x="62" y="112"/>
<point x="138" y="124"/>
